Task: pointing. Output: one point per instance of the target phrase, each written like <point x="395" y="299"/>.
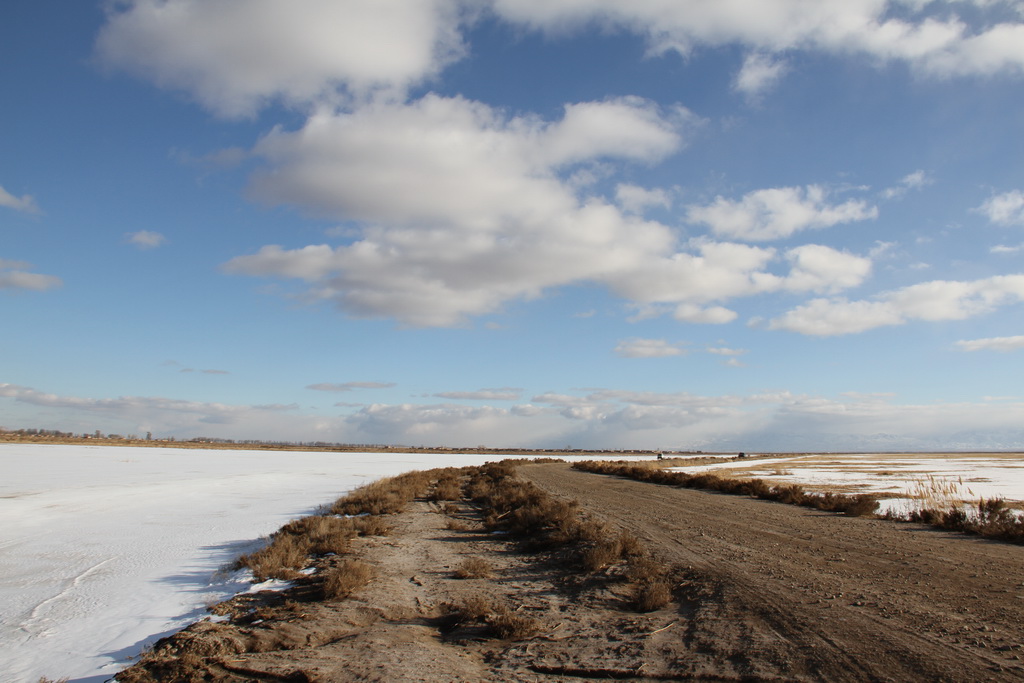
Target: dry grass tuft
<point x="601" y="555"/>
<point x="457" y="525"/>
<point x="346" y="578"/>
<point x="651" y="596"/>
<point x="474" y="568"/>
<point x="502" y="621"/>
<point x="512" y="626"/>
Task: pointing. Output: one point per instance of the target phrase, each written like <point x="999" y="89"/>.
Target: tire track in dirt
<point x="807" y="595"/>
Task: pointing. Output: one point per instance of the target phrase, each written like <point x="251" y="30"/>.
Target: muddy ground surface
<point x="763" y="592"/>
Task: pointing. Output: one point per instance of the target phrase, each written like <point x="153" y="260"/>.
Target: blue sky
<point x="728" y="225"/>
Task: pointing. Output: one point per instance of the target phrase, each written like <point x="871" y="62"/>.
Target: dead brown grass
<point x="474" y="568"/>
<point x="346" y="578"/>
<point x="513" y="626"/>
<point x="651" y="596"/>
<point x="501" y="620"/>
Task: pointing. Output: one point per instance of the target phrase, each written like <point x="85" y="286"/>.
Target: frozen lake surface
<point x="103" y="550"/>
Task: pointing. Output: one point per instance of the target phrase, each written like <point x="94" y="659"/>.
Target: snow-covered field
<point x="946" y="476"/>
<point x="105" y="549"/>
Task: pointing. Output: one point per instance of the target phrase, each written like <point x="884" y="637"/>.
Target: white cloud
<point x="1006" y="249"/>
<point x="500" y="394"/>
<point x="928" y="301"/>
<point x="720" y="271"/>
<point x="932" y="38"/>
<point x="145" y="239"/>
<point x="912" y="181"/>
<point x="760" y="73"/>
<point x="777" y="213"/>
<point x="233" y="56"/>
<point x="635" y="199"/>
<point x="817" y="268"/>
<point x="14" y="275"/>
<point x="24" y="203"/>
<point x="349" y="386"/>
<point x="992" y="344"/>
<point x="703" y="315"/>
<point x="648" y="348"/>
<point x="462" y="208"/>
<point x="1004" y="209"/>
<point x="605" y="418"/>
<point x="725" y="351"/>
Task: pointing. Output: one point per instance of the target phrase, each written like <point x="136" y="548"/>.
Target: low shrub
<point x="651" y="596"/>
<point x="601" y="555"/>
<point x="512" y="626"/>
<point x="346" y="578"/>
<point x="457" y="525"/>
<point x="447" y="489"/>
<point x="474" y="568"/>
<point x="280" y="559"/>
<point x="385" y="496"/>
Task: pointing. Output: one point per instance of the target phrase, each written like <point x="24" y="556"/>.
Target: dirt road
<point x="782" y="592"/>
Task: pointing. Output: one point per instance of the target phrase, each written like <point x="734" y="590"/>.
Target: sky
<point x="780" y="225"/>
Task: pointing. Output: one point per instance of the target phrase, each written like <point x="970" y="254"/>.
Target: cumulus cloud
<point x="234" y="56"/>
<point x="777" y="213"/>
<point x="462" y="208"/>
<point x="145" y="239"/>
<point x="23" y="203"/>
<point x="760" y="73"/>
<point x="459" y="208"/>
<point x="719" y="271"/>
<point x="992" y="344"/>
<point x="15" y="275"/>
<point x="817" y="268"/>
<point x="930" y="37"/>
<point x="1004" y="209"/>
<point x="648" y="348"/>
<point x="929" y="301"/>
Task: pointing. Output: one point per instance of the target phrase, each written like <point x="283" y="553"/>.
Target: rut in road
<point x="818" y="596"/>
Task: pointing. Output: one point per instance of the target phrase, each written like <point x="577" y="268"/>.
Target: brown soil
<point x="761" y="592"/>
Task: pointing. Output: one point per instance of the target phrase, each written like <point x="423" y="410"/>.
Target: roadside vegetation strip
<point x="990" y="518"/>
<point x="581" y="545"/>
<point x="792" y="494"/>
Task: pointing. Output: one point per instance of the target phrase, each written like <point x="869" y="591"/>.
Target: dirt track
<point x="819" y="596"/>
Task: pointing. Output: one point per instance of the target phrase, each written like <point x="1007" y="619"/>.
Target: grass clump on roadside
<point x="650" y="585"/>
<point x="497" y="618"/>
<point x="474" y="568"/>
<point x="346" y="578"/>
<point x="385" y="496"/>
